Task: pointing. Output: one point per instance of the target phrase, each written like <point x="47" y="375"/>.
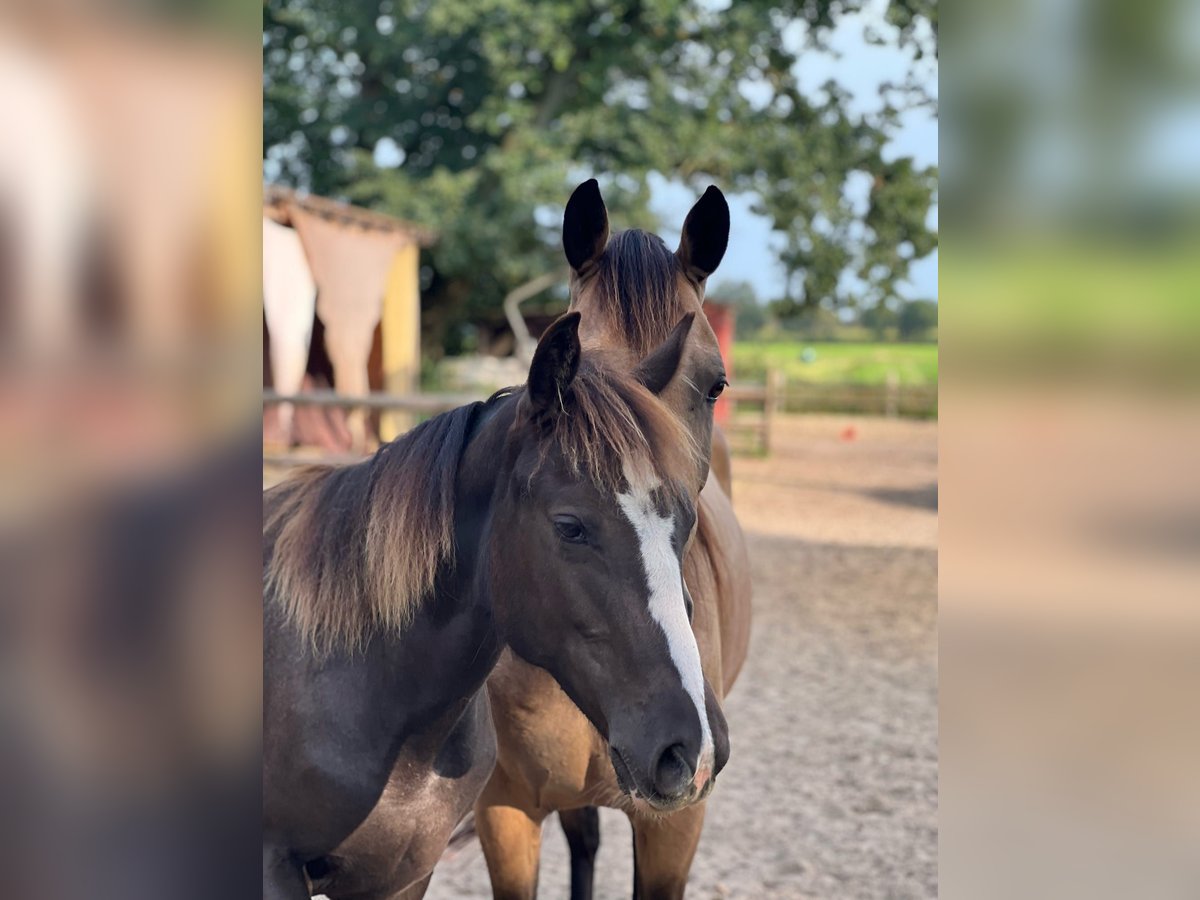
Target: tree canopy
<point x="751" y="315"/>
<point x="917" y="318"/>
<point x="880" y="319"/>
<point x="477" y="117"/>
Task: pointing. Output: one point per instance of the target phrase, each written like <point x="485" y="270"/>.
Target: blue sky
<point x="859" y="67"/>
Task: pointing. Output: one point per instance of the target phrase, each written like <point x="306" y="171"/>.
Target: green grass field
<point x="837" y="363"/>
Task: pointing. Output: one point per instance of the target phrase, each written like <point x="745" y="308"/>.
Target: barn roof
<point x="279" y="202"/>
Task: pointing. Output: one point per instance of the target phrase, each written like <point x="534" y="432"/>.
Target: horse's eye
<point x="570" y="529"/>
<point x="715" y="391"/>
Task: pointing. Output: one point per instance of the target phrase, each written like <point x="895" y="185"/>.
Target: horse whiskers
<point x="594" y="795"/>
<point x="602" y="793"/>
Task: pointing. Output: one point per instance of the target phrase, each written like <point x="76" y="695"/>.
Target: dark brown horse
<point x="634" y="293"/>
<point x="550" y="520"/>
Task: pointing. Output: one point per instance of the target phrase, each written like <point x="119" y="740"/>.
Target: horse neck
<point x="479" y="474"/>
<point x="453" y="643"/>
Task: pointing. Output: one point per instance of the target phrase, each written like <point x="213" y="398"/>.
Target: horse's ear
<point x="585" y="226"/>
<point x="705" y="235"/>
<point x="555" y="363"/>
<point x="657" y="369"/>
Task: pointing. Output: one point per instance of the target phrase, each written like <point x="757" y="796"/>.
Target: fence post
<point x="891" y="396"/>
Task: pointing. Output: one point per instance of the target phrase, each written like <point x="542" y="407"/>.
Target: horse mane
<point x="352" y="550"/>
<point x="635" y="285"/>
<point x="613" y="429"/>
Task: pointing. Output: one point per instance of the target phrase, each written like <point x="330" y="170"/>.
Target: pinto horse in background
<point x="550" y="520"/>
<point x="634" y="293"/>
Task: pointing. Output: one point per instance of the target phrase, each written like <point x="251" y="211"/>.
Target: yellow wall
<point x="401" y="332"/>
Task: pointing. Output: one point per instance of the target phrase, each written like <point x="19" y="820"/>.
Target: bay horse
<point x="633" y="292"/>
<point x="550" y="520"/>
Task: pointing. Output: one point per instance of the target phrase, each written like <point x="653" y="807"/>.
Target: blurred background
<point x="468" y="125"/>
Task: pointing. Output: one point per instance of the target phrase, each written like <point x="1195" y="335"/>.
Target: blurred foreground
<point x="1070" y="565"/>
<point x="129" y="507"/>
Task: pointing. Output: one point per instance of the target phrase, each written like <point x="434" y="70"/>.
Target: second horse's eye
<point x="570" y="529"/>
<point x="715" y="391"/>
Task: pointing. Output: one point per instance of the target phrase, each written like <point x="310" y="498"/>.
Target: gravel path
<point x="831" y="789"/>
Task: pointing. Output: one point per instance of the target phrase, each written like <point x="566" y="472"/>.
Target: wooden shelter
<point x="360" y="296"/>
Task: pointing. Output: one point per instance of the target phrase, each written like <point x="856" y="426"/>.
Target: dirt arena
<point x="831" y="789"/>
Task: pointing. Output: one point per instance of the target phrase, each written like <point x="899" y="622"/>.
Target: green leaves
<point x="495" y="109"/>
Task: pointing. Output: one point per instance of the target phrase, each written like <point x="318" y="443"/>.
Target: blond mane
<point x="350" y="551"/>
<point x="613" y="424"/>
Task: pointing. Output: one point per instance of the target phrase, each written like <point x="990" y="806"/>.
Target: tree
<point x="880" y="319"/>
<point x="917" y="319"/>
<point x="738" y="293"/>
<point x="813" y="323"/>
<point x="750" y="315"/>
<point x="478" y="119"/>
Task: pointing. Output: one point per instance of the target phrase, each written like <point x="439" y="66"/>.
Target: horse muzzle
<point x="674" y="785"/>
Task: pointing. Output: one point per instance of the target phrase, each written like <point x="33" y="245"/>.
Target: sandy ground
<point x="831" y="789"/>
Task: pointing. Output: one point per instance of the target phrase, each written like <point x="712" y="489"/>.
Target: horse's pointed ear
<point x="554" y="365"/>
<point x="585" y="226"/>
<point x="705" y="235"/>
<point x="657" y="369"/>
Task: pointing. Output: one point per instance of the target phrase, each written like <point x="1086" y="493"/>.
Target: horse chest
<point x="542" y="736"/>
<point x="407" y="830"/>
<point x="338" y="734"/>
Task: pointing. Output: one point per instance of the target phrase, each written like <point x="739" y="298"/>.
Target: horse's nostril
<point x="673" y="774"/>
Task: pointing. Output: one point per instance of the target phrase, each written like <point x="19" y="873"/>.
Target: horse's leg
<point x="510" y="832"/>
<point x="663" y="851"/>
<point x="283" y="877"/>
<point x="582" y="828"/>
<point x="512" y="841"/>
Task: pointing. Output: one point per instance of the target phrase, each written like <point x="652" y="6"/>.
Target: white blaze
<point x="667" y="606"/>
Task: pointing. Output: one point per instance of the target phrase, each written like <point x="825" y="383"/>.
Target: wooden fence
<point x="404" y="410"/>
<point x="890" y="399"/>
<point x="753" y="406"/>
<point x="749" y="432"/>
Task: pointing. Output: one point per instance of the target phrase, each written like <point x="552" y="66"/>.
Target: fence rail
<point x="889" y="399"/>
<point x="885" y="400"/>
<point x="407" y="406"/>
<point x="415" y="403"/>
<point x="749" y="431"/>
<point x="752" y="407"/>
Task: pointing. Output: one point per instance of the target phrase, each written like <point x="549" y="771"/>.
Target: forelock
<point x="636" y="287"/>
<point x="612" y="426"/>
